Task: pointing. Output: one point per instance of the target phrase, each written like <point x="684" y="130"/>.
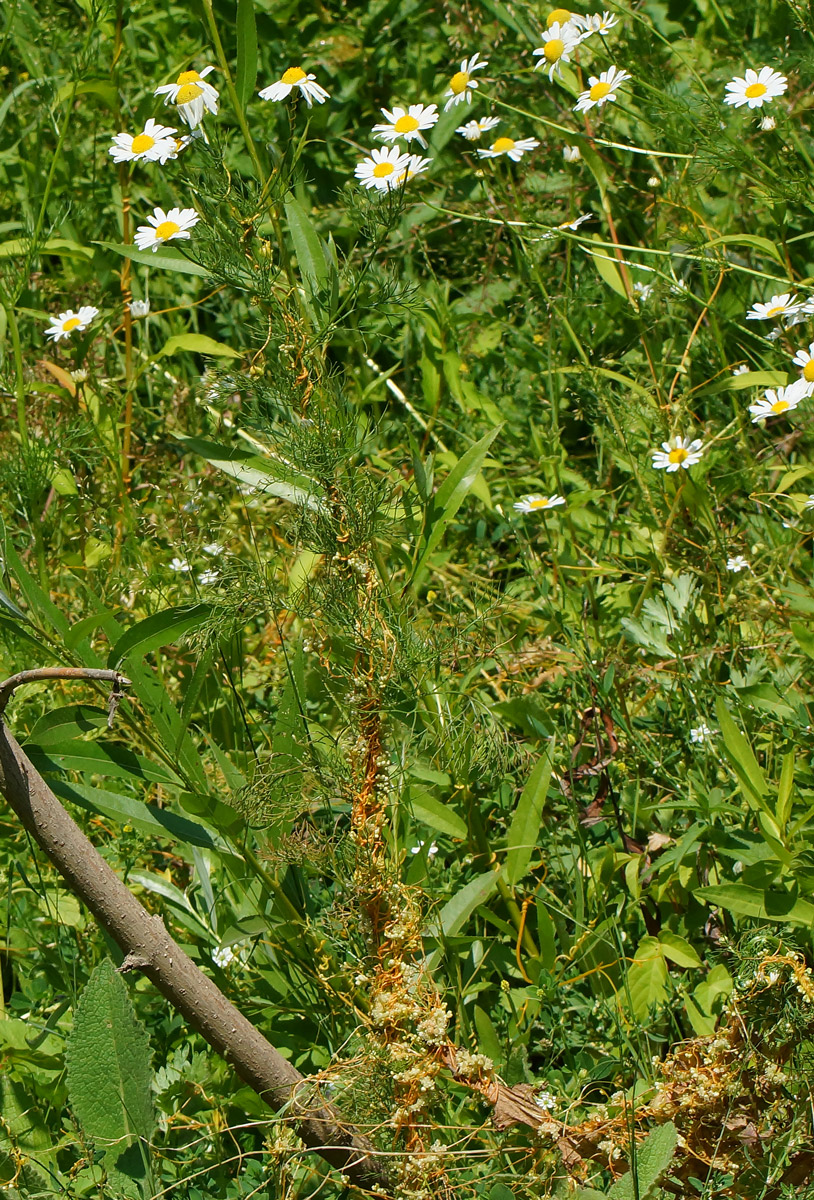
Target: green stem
<point x="52" y="170"/>
<point x="19" y="381"/>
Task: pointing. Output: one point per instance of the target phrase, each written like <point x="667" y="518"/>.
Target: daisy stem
<point x="52" y="170"/>
<point x="19" y="380"/>
<point x="126" y="291"/>
<point x="651" y="575"/>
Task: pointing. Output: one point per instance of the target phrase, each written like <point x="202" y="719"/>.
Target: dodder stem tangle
<point x="149" y="948"/>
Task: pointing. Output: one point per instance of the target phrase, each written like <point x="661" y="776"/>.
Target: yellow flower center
<point x="540" y="503"/>
<point x="599" y="90"/>
<point x="678" y="455"/>
<point x="756" y="89"/>
<point x="554" y="48"/>
<point x="167" y="229"/>
<point x="142" y="142"/>
<point x="188" y="77"/>
<point x="778" y="308"/>
<point x="808" y="371"/>
<point x="189" y="91"/>
<point x="70" y="324"/>
<point x="559" y="14"/>
<point x="459" y="82"/>
<point x="780" y="406"/>
<point x="406" y="124"/>
<point x="293" y="75"/>
<point x="382" y="170"/>
<point x="503" y="144"/>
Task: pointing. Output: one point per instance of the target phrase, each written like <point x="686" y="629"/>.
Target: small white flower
<point x="737" y="564"/>
<point x="701" y="733"/>
<point x="743" y="369"/>
<point x="383" y="170"/>
<point x="776" y="306"/>
<point x="472" y="130"/>
<point x="601" y="24"/>
<point x="223" y="956"/>
<point x="602" y="89"/>
<point x="295" y="77"/>
<point x="212" y="548"/>
<point x="559" y="43"/>
<point x="192" y="94"/>
<point x="69" y="322"/>
<point x="432" y="849"/>
<point x="644" y="291"/>
<point x="536" y="503"/>
<point x="783" y="400"/>
<point x="809" y="502"/>
<point x="507" y="145"/>
<point x="767" y="124"/>
<point x="571" y="153"/>
<point x="756" y="88"/>
<point x="164" y="226"/>
<point x="407" y="123"/>
<point x="546" y="1100"/>
<point x="139" y="309"/>
<point x="210" y="575"/>
<point x="180" y="564"/>
<point x="680" y="453"/>
<point x="462" y="83"/>
<point x="155" y="143"/>
<point x="805" y="360"/>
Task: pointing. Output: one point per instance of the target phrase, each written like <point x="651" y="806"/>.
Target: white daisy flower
<point x="507" y="145"/>
<point x="155" y="143"/>
<point x="164" y="226"/>
<point x="139" y="309"/>
<point x="741" y="370"/>
<point x="407" y="123"/>
<point x="462" y="84"/>
<point x="416" y="166"/>
<point x="560" y="16"/>
<point x="756" y="88"/>
<point x="181" y="143"/>
<point x="383" y="170"/>
<point x="571" y="153"/>
<point x="777" y="306"/>
<point x="702" y="733"/>
<point x="295" y="77"/>
<point x="805" y="360"/>
<point x="577" y="221"/>
<point x="597" y="23"/>
<point x="560" y="41"/>
<point x="472" y="130"/>
<point x="68" y="322"/>
<point x="192" y="94"/>
<point x="783" y="400"/>
<point x="536" y="503"/>
<point x="737" y="564"/>
<point x="681" y="452"/>
<point x="602" y="89"/>
<point x="767" y="124"/>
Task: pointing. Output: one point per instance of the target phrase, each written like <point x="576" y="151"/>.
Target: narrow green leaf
<point x="67" y="722"/>
<point x="161" y="629"/>
<point x="746" y="901"/>
<point x="433" y="812"/>
<point x="97" y="758"/>
<point x="739" y="753"/>
<point x="607" y="269"/>
<point x="748" y="239"/>
<point x="165" y="259"/>
<point x="267" y="475"/>
<point x="246" y="74"/>
<point x="198" y="343"/>
<point x="525" y="827"/>
<point x="307" y="245"/>
<point x="155" y="822"/>
<point x="54" y="245"/>
<point x="647" y="978"/>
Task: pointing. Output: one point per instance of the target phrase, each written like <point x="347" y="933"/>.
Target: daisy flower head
<point x="155" y="143"/>
<point x="383" y="170"/>
<point x="507" y="145"/>
<point x="680" y="452"/>
<point x="295" y="77"/>
<point x="69" y="322"/>
<point x="602" y="89"/>
<point x="192" y="94"/>
<point x="462" y="84"/>
<point x="776" y="306"/>
<point x="407" y="123"/>
<point x="560" y="16"/>
<point x="601" y="23"/>
<point x="756" y="88"/>
<point x="775" y="403"/>
<point x="165" y="226"/>
<point x="416" y="166"/>
<point x="473" y="130"/>
<point x="805" y="360"/>
<point x="537" y="503"/>
<point x="737" y="564"/>
<point x="559" y="43"/>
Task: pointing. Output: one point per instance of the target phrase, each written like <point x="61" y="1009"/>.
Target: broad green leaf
<point x="54" y="245"/>
<point x="457" y="911"/>
<point x="488" y="1040"/>
<point x="246" y="73"/>
<point x="97" y="758"/>
<point x="525" y="827"/>
<point x="746" y="901"/>
<point x="647" y="978"/>
<point x="198" y="343"/>
<point x="653" y="1157"/>
<point x="165" y="259"/>
<point x="161" y="629"/>
<point x="608" y="269"/>
<point x="67" y="722"/>
<point x="439" y="816"/>
<point x="90" y="87"/>
<point x="678" y="950"/>
<point x="739" y="753"/>
<point x="311" y="259"/>
<point x="451" y="495"/>
<point x="109" y="1077"/>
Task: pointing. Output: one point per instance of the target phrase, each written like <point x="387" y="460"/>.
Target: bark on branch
<point x="149" y="948"/>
